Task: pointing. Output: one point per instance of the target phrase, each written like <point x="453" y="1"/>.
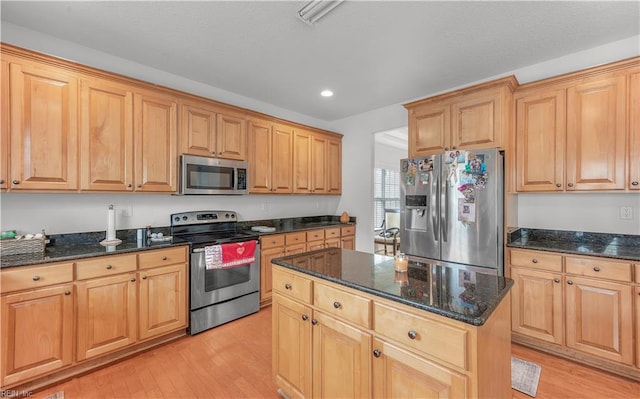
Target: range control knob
<point x="177" y="219"/>
<point x="233" y="215"/>
<point x="226" y="215"/>
<point x="184" y="218"/>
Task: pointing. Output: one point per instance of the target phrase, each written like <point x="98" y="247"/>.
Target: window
<point x="386" y="193"/>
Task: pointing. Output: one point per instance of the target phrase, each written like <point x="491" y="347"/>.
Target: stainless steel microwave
<point x="211" y="176"/>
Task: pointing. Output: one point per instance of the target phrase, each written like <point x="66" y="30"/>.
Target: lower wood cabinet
<point x="161" y="300"/>
<point x="637" y="316"/>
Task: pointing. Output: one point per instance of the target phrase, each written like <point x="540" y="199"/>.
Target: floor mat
<point x="525" y="376"/>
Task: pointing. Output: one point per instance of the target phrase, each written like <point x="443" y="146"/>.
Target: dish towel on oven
<point x="229" y="255"/>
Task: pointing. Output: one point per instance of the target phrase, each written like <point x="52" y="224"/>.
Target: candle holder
<point x="401" y="263"/>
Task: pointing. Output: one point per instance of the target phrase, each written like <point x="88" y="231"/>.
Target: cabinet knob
<point x="337" y="305"/>
<point x="634" y="183"/>
<point x="596" y="269"/>
<point x="133" y="280"/>
<point x="67" y="292"/>
<point x="314" y="321"/>
<point x="558" y="185"/>
<point x="377" y="353"/>
<point x="164" y="258"/>
<point x="412" y="334"/>
<point x="16" y="182"/>
<point x="454" y="147"/>
<point x="36" y="278"/>
<point x="139" y="186"/>
<point x="305" y="317"/>
<point x="144" y="277"/>
<point x="446" y="148"/>
<point x="1" y="181"/>
<point x="570" y="282"/>
<point x="129" y="185"/>
<point x="534" y="260"/>
<point x="570" y="184"/>
<point x="287" y="286"/>
<point x="556" y="280"/>
<point x="109" y="267"/>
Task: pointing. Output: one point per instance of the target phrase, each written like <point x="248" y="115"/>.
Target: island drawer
<point x="436" y="339"/>
<point x="162" y="257"/>
<point x="292" y="285"/>
<point x="105" y="266"/>
<point x="332" y="233"/>
<point x="536" y="259"/>
<point x="272" y="241"/>
<point x="343" y="304"/>
<point x="598" y="267"/>
<point x="314" y="235"/>
<point x="348" y="231"/>
<point x="295" y="238"/>
<point x="22" y="278"/>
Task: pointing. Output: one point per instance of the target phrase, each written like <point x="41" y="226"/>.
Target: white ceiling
<point x="370" y="53"/>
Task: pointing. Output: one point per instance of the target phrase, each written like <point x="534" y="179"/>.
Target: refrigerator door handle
<point x="444" y="202"/>
<point x="434" y="210"/>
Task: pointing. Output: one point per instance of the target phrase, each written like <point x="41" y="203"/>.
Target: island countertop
<point x="452" y="291"/>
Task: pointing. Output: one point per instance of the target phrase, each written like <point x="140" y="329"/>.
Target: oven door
<point x="203" y="175"/>
<point x="209" y="287"/>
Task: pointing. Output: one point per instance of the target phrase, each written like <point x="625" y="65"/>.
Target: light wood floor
<point x="234" y="361"/>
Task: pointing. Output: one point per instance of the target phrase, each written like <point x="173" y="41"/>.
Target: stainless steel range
<point x="217" y="295"/>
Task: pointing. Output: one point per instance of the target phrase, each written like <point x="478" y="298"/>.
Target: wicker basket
<point x="22" y="246"/>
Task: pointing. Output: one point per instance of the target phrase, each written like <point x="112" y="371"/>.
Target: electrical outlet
<point x="626" y="212"/>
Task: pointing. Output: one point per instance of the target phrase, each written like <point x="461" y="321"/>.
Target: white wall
<point x="387" y="157"/>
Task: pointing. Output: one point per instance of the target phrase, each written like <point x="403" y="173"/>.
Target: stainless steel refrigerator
<point x="452" y="208"/>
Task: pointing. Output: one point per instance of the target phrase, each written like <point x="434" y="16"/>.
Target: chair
<point x="389" y="233"/>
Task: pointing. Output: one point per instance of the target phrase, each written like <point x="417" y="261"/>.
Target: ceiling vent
<point x="314" y="10"/>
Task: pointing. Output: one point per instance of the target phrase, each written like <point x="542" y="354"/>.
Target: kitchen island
<point x="345" y="324"/>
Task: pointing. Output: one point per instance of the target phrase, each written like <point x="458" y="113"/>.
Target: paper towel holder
<point x="110" y="238"/>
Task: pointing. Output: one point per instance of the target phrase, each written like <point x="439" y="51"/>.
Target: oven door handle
<point x="197" y="250"/>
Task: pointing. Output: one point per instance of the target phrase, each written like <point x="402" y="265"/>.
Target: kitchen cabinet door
<point x="106" y="136"/>
<point x="596" y="133"/>
<point x="537" y="307"/>
<point x="282" y="159"/>
<point x="155" y="133"/>
<point x="231" y="140"/>
<point x="398" y="373"/>
<point x="37" y="332"/>
<point x="106" y="315"/>
<point x="291" y="331"/>
<point x="266" y="280"/>
<point x="334" y="167"/>
<point x="198" y="129"/>
<point x="540" y="140"/>
<point x="599" y="318"/>
<point x="477" y="118"/>
<point x="162" y="300"/>
<point x="301" y="161"/>
<point x="259" y="156"/>
<point x="44" y="128"/>
<point x="341" y="359"/>
<point x="429" y="129"/>
<point x="319" y="148"/>
<point x="637" y="316"/>
<point x="4" y="124"/>
<point x="634" y="134"/>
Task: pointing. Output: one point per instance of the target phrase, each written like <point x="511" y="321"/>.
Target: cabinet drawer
<point x="343" y="304"/>
<point x="536" y="260"/>
<point x="332" y="233"/>
<point x="295" y="238"/>
<point x="597" y="267"/>
<point x="440" y="340"/>
<point x="162" y="257"/>
<point x="272" y="241"/>
<point x="22" y="278"/>
<point x="105" y="266"/>
<point x="348" y="231"/>
<point x="292" y="285"/>
<point x="315" y="235"/>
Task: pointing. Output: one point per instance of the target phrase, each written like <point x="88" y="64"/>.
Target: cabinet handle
<point x="139" y="185"/>
<point x="558" y="185"/>
<point x="634" y="183"/>
<point x="133" y="280"/>
<point x="377" y="353"/>
<point x="412" y="334"/>
<point x="534" y="260"/>
<point x="67" y="292"/>
<point x="454" y="147"/>
<point x="446" y="148"/>
<point x="556" y="280"/>
<point x="337" y="305"/>
<point x="287" y="286"/>
<point x="109" y="267"/>
<point x="570" y="282"/>
<point x="1" y="181"/>
<point x="144" y="277"/>
<point x="570" y="184"/>
<point x="596" y="269"/>
<point x="16" y="182"/>
<point x="129" y="185"/>
<point x="164" y="258"/>
<point x="314" y="321"/>
<point x="36" y="278"/>
<point x="305" y="317"/>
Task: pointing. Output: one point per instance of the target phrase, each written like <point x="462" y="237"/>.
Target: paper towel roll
<point x="111" y="224"/>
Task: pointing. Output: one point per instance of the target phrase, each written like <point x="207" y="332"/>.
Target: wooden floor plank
<point x="234" y="361"/>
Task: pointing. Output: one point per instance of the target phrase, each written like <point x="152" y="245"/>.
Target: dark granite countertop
<point x="449" y="291"/>
<point x="616" y="246"/>
<point x="290" y="225"/>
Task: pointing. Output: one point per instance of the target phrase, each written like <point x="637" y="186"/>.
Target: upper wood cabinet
<point x="472" y="118"/>
<point x="106" y="136"/>
<point x="4" y="124"/>
<point x="270" y="157"/>
<point x="208" y="130"/>
<point x="302" y="161"/>
<point x="334" y="166"/>
<point x="634" y="133"/>
<point x="155" y="120"/>
<point x="44" y="127"/>
<point x="317" y="163"/>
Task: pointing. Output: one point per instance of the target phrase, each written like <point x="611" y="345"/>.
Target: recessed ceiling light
<point x="326" y="93"/>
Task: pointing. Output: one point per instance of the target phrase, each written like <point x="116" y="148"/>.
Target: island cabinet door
<point x="599" y="318"/>
<point x="398" y="373"/>
<point x="291" y="340"/>
<point x="341" y="359"/>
